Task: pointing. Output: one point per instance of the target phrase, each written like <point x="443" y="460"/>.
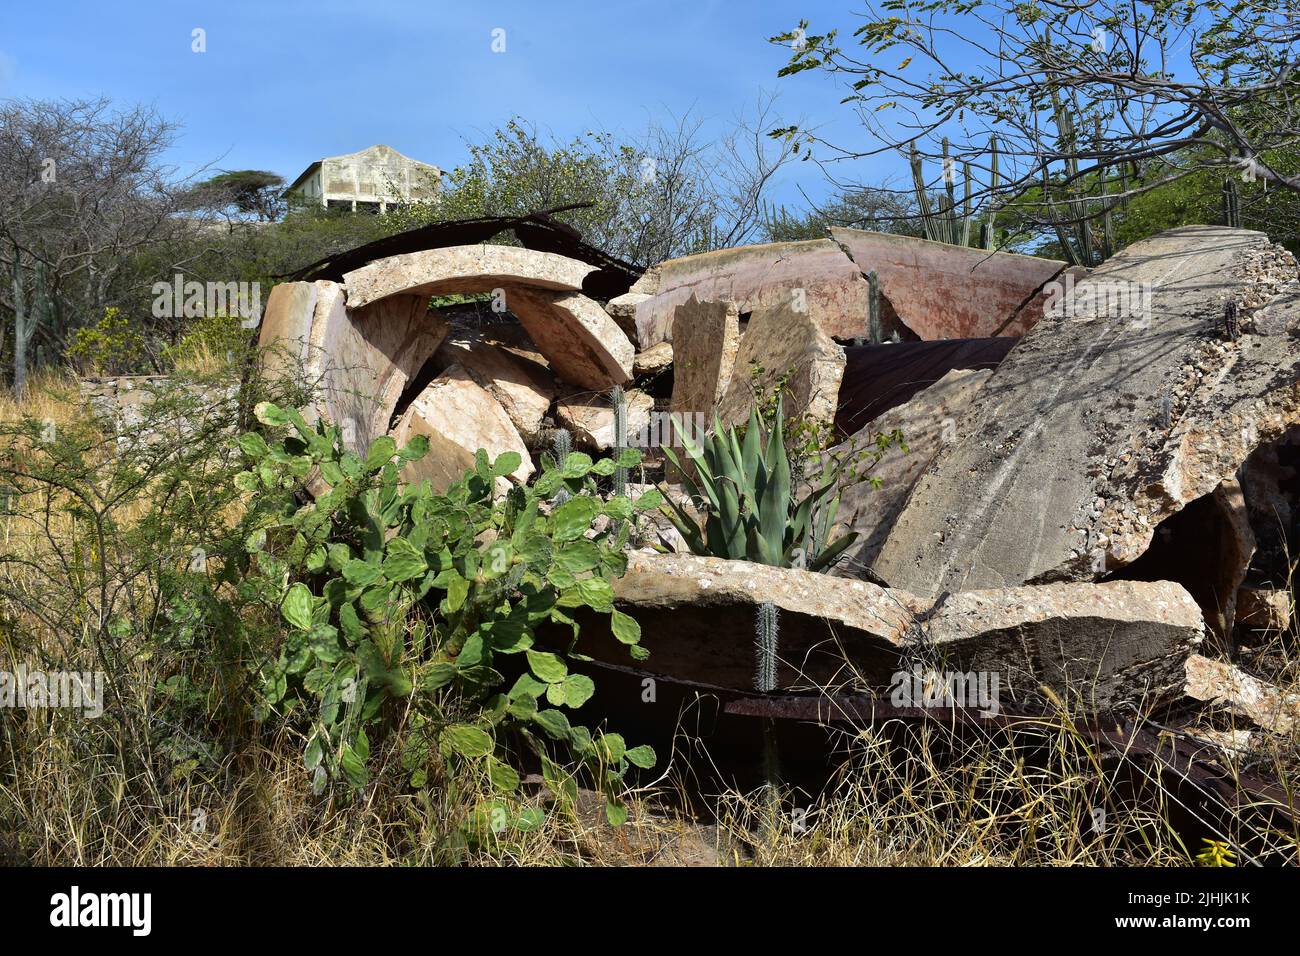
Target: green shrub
<point x="222" y="338"/>
<point x="110" y="347"/>
<point x="400" y="603"/>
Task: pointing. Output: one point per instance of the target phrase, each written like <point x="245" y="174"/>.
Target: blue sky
<point x="285" y="83"/>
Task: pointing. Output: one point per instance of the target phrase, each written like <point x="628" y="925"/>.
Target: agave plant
<point x="745" y="490"/>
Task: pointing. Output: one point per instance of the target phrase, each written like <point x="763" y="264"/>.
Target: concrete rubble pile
<point x="1079" y="515"/>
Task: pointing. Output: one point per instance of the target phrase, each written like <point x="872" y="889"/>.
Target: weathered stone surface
<point x="364" y="357"/>
<point x="463" y="269"/>
<point x="285" y="332"/>
<point x="813" y="275"/>
<point x="1218" y="682"/>
<point x="940" y="291"/>
<point x="622" y="309"/>
<point x="1266" y="610"/>
<point x="697" y="619"/>
<point x="590" y="418"/>
<point x="458" y="416"/>
<point x="580" y="342"/>
<point x="654" y="359"/>
<point x="781" y="339"/>
<point x="704" y="353"/>
<point x="524" y="388"/>
<point x="359" y="359"/>
<point x="927" y="421"/>
<point x="1098" y="645"/>
<point x="1109" y="416"/>
<point x="1095" y="645"/>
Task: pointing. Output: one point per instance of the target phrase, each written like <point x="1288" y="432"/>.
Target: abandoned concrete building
<point x="371" y="179"/>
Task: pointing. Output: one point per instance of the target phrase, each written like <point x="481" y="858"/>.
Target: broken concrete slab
<point x="813" y="276"/>
<point x="458" y="416"/>
<point x="927" y="421"/>
<point x="360" y="360"/>
<point x="366" y="357"/>
<point x="1222" y="684"/>
<point x="652" y="360"/>
<point x="780" y="340"/>
<point x="622" y="309"/>
<point x="704" y="353"/>
<point x="697" y="619"/>
<point x="1095" y="646"/>
<point x="1206" y="546"/>
<point x="942" y="291"/>
<point x="524" y="388"/>
<point x="1103" y="645"/>
<point x="463" y="269"/>
<point x="590" y="418"/>
<point x="1120" y="407"/>
<point x="582" y="345"/>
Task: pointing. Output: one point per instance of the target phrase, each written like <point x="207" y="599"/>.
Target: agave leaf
<point x="730" y="521"/>
<point x="833" y="551"/>
<point x="685" y="526"/>
<point x="774" y="505"/>
<point x="751" y="455"/>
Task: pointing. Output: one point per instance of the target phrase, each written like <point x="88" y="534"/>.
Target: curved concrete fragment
<point x="459" y="417"/>
<point x="359" y="360"/>
<point x="813" y="275"/>
<point x="579" y="341"/>
<point x="942" y="291"/>
<point x="463" y="269"/>
<point x="1127" y="401"/>
<point x="367" y="356"/>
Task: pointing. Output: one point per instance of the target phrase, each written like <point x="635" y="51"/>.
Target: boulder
<point x="590" y="418"/>
<point x="928" y="421"/>
<point x="781" y="340"/>
<point x="581" y="343"/>
<point x="704" y="353"/>
<point x="942" y="291"/>
<point x="1124" y="403"/>
<point x="524" y="388"/>
<point x="1096" y="645"/>
<point x="459" y="417"/>
<point x="463" y="269"/>
<point x="814" y="276"/>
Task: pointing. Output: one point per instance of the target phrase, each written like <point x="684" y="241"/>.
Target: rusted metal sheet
<point x="538" y="231"/>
